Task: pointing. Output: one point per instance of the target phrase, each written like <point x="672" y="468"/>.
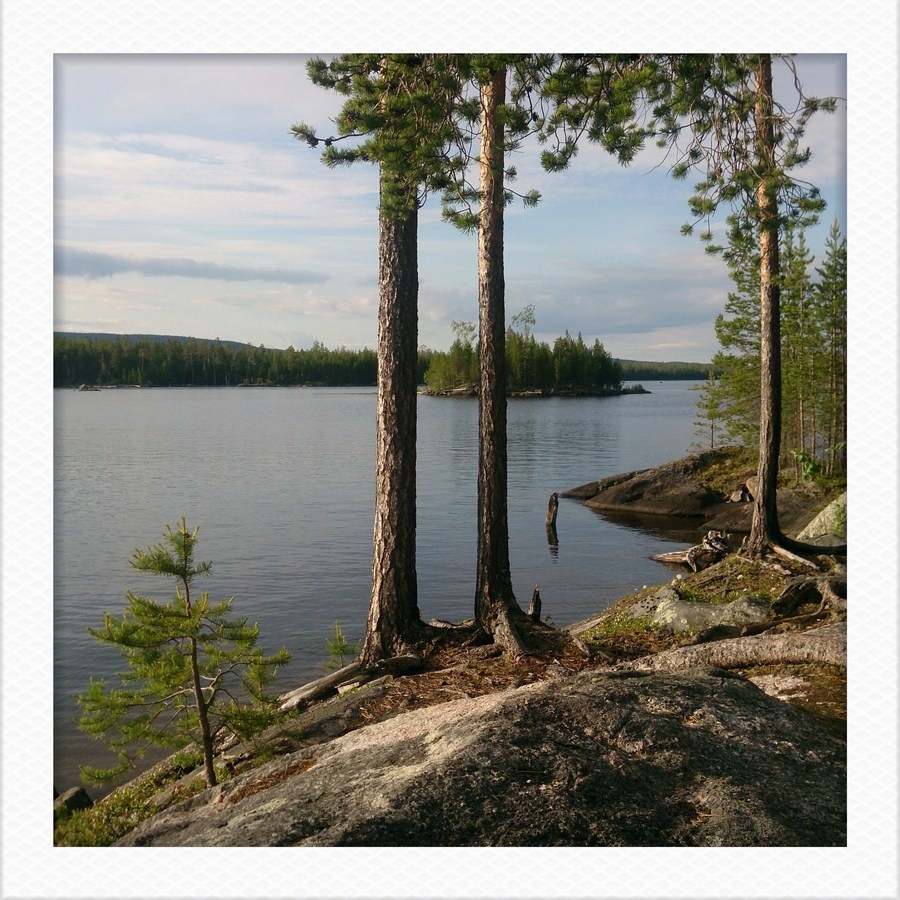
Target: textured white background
<point x="31" y="34"/>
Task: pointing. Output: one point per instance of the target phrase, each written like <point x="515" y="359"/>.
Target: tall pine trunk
<point x="495" y="601"/>
<point x="764" y="530"/>
<point x="393" y="617"/>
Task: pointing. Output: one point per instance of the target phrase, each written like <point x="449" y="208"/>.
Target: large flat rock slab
<point x="678" y="489"/>
<point x="673" y="489"/>
<point x="696" y="758"/>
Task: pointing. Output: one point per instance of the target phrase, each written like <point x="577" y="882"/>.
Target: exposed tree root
<point x="507" y="634"/>
<point x="812" y="549"/>
<point x="420" y="634"/>
<point x="826" y="645"/>
<point x="807" y="556"/>
<point x="830" y="590"/>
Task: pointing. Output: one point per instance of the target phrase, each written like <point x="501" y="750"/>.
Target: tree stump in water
<point x="552" y="508"/>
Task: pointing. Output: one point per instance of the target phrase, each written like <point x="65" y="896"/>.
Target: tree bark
<point x="764" y="529"/>
<point x="495" y="602"/>
<point x="393" y="617"/>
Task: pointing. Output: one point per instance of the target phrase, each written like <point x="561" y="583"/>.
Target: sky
<point x="183" y="205"/>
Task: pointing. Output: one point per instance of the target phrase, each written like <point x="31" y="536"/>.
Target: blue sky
<point x="184" y="206"/>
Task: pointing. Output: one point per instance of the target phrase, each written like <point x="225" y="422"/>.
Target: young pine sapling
<point x="340" y="648"/>
<point x="193" y="671"/>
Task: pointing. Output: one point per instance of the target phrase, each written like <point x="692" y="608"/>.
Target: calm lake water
<point x="281" y="483"/>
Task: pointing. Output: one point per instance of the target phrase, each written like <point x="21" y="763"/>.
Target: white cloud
<point x="161" y="181"/>
<point x="184" y="167"/>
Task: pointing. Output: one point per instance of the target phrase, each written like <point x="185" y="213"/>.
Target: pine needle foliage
<point x="340" y="650"/>
<point x="706" y="113"/>
<point x="194" y="671"/>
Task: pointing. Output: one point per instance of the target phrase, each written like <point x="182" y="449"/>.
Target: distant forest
<point x="633" y="370"/>
<point x="167" y="361"/>
<point x="162" y="361"/>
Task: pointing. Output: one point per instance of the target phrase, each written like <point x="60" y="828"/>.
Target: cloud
<point x="179" y="184"/>
<point x="91" y="265"/>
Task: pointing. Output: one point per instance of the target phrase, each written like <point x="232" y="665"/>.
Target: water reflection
<point x="669" y="528"/>
<point x="553" y="541"/>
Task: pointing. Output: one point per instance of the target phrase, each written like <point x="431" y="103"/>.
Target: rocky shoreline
<point x="693" y="487"/>
<point x="653" y="724"/>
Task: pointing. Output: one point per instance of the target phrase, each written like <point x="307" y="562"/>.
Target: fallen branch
<point x="712" y="549"/>
<point x="325" y="687"/>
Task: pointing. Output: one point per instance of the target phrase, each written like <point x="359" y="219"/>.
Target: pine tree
<point x="830" y="312"/>
<point x="400" y="106"/>
<point x="495" y="602"/>
<point x="800" y="352"/>
<point x="710" y="413"/>
<point x="339" y="648"/>
<point x="193" y="673"/>
<point x="749" y="146"/>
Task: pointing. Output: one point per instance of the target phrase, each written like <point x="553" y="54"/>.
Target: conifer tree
<point x="749" y="147"/>
<point x="518" y="95"/>
<point x="193" y="673"/>
<point x="423" y="130"/>
<point x="399" y="107"/>
<point x="737" y="330"/>
<point x="711" y="408"/>
<point x="495" y="602"/>
<point x="831" y="318"/>
<point x="801" y="382"/>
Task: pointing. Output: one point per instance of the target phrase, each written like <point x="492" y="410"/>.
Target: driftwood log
<point x="711" y="549"/>
<point x="355" y="672"/>
<point x="825" y="645"/>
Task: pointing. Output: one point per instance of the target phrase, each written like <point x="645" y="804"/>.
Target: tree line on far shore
<point x="180" y="362"/>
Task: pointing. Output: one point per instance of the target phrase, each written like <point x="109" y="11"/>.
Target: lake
<point x="281" y="483"/>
